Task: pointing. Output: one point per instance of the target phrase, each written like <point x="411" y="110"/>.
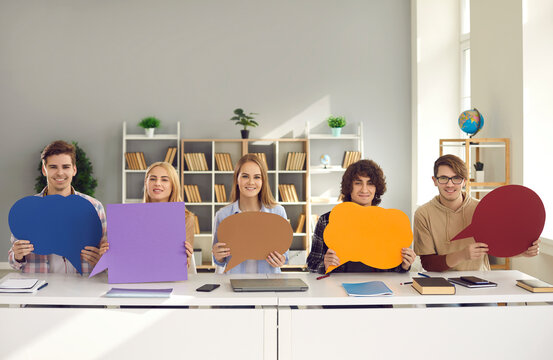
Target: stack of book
<point x="135" y="161"/>
<point x="170" y="155"/>
<point x="288" y="193"/>
<point x="301" y="222"/>
<point x="220" y="193"/>
<point x="196" y="162"/>
<point x="223" y="161"/>
<point x="350" y="157"/>
<point x="192" y="193"/>
<point x="262" y="158"/>
<point x="295" y="161"/>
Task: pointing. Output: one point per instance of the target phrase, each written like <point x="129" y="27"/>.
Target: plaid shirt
<point x="34" y="263"/>
<point x="315" y="260"/>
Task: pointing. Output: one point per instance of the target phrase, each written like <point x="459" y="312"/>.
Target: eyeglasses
<point x="457" y="180"/>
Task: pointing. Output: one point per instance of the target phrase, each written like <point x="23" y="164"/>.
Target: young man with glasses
<point x="443" y="217"/>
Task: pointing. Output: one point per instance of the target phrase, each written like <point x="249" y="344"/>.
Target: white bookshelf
<point x="276" y="151"/>
<point x="331" y="175"/>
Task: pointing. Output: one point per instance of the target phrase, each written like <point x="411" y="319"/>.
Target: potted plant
<point x="479" y="175"/>
<point x="149" y="124"/>
<point x="336" y="123"/>
<point x="244" y="120"/>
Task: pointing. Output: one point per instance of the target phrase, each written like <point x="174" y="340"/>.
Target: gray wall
<point x="76" y="70"/>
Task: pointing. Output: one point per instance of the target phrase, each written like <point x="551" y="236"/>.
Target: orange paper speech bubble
<point x="253" y="235"/>
<point x="371" y="235"/>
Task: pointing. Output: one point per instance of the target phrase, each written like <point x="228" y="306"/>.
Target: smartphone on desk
<point x="208" y="287"/>
<point x="474" y="280"/>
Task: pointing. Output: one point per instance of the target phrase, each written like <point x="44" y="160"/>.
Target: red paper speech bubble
<point x="509" y="219"/>
<point x="253" y="235"/>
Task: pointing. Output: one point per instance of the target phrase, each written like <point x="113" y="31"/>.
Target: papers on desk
<point x="21" y="285"/>
<point x="370" y="288"/>
<point x="139" y="293"/>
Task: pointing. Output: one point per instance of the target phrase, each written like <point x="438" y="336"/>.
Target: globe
<point x="471" y="121"/>
<point x="325" y="160"/>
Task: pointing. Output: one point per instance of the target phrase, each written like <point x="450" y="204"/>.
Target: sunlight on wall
<point x="315" y="114"/>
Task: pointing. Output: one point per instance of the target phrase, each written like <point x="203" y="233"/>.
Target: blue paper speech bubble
<point x="55" y="224"/>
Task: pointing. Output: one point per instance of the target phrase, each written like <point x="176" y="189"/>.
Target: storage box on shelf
<point x="139" y="151"/>
<point x="496" y="161"/>
<point x="214" y="182"/>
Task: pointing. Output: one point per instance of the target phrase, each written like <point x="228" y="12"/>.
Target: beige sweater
<point x="436" y="224"/>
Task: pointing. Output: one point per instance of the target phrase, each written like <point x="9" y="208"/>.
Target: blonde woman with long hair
<point x="250" y="192"/>
<point x="161" y="184"/>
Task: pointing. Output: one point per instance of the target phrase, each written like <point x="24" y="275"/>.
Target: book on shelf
<point x="351" y="157"/>
<point x="220" y="193"/>
<point x="433" y="286"/>
<point x="196" y="162"/>
<point x="170" y="154"/>
<point x="288" y="193"/>
<point x="223" y="161"/>
<point x="263" y="158"/>
<point x="369" y="288"/>
<point x="135" y="161"/>
<point x="192" y="193"/>
<point x="196" y="225"/>
<point x="301" y="222"/>
<point x="295" y="161"/>
<point x="535" y="286"/>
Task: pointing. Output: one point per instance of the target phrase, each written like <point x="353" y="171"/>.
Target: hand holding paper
<point x="509" y="219"/>
<point x="371" y="235"/>
<point x="146" y="243"/>
<point x="56" y="225"/>
<point x="254" y="235"/>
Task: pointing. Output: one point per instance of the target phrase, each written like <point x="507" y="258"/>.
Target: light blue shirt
<point x="263" y="266"/>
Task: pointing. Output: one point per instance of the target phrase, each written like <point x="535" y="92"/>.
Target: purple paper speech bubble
<point x="146" y="243"/>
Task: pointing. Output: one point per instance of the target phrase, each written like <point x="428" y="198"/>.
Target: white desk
<point x="410" y="330"/>
<point x="132" y="328"/>
<point x="187" y="325"/>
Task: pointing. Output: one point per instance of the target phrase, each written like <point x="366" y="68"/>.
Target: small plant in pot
<point x="479" y="175"/>
<point x="336" y="123"/>
<point x="149" y="124"/>
<point x="240" y="118"/>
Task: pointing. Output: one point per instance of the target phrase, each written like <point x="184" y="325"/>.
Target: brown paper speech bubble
<point x="253" y="235"/>
<point x="371" y="235"/>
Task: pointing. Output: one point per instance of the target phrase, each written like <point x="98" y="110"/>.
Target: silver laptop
<point x="254" y="285"/>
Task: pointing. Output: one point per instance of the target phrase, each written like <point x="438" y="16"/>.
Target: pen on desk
<point x="405" y="283"/>
<point x="42" y="286"/>
<point x="423" y="275"/>
<point x="322" y="277"/>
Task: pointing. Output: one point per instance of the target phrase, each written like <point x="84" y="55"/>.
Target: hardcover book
<point x="433" y="286"/>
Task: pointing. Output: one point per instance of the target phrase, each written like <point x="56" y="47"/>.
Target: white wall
<point x="537" y="33"/>
<point x="76" y="70"/>
<point x="496" y="77"/>
<point x="507" y="58"/>
<point x="436" y="94"/>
